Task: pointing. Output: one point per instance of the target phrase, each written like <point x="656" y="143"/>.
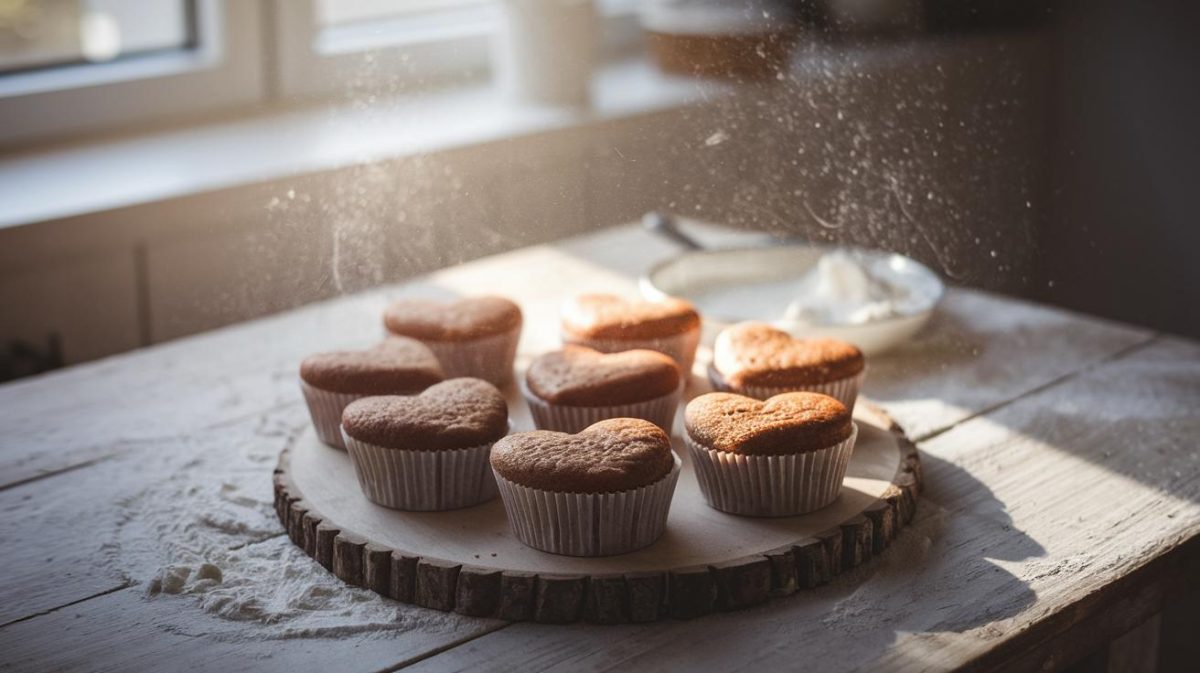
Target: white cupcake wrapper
<point x="489" y="358"/>
<point x="681" y="347"/>
<point x="783" y="485"/>
<point x="562" y="418"/>
<point x="422" y="480"/>
<point x="843" y="390"/>
<point x="589" y="524"/>
<point x="326" y="409"/>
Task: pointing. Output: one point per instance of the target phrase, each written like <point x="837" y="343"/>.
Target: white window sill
<point x="44" y="185"/>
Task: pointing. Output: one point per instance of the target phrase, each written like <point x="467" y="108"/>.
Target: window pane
<point x="43" y="33"/>
<point x="342" y="12"/>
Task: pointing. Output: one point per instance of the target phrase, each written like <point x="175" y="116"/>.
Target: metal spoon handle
<point x="664" y="225"/>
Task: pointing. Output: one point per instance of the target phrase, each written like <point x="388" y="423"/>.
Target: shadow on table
<point x="942" y="574"/>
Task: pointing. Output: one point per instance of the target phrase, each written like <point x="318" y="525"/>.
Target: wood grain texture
<point x="517" y="596"/>
<point x="478" y="592"/>
<point x="857" y="535"/>
<point x="995" y="560"/>
<point x="1002" y="568"/>
<point x="348" y="562"/>
<point x="436" y="584"/>
<point x="742" y="583"/>
<point x="602" y="598"/>
<point x="377" y="569"/>
<point x="607" y="600"/>
<point x="558" y="599"/>
<point x="78" y="560"/>
<point x="882" y="514"/>
<point x="812" y="563"/>
<point x="981" y="351"/>
<point x="222" y="386"/>
<point x="125" y="632"/>
<point x="403" y="576"/>
<point x="785" y="570"/>
<point x="647" y="595"/>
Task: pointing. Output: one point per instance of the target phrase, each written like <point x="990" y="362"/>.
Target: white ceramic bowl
<point x="730" y="286"/>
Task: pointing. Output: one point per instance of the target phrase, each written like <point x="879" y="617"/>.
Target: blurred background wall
<point x="1038" y="149"/>
<point x="1121" y="235"/>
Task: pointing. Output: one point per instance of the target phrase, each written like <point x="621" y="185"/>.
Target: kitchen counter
<point x="1061" y="505"/>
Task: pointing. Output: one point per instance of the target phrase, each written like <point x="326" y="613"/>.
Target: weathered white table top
<point x="1060" y="452"/>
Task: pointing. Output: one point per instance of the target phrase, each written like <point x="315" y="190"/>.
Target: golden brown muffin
<point x="787" y="423"/>
<point x="756" y="354"/>
<point x="463" y="320"/>
<point x="606" y="316"/>
<point x="454" y="414"/>
<point x="611" y="456"/>
<point x="578" y="376"/>
<point x="398" y="366"/>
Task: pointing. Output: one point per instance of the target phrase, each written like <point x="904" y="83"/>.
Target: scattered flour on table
<point x="207" y="534"/>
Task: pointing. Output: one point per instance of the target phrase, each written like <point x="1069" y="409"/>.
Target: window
<point x="332" y="46"/>
<point x="60" y="32"/>
<point x="69" y="66"/>
<point x="81" y="65"/>
<point x="343" y="12"/>
<point x="336" y="46"/>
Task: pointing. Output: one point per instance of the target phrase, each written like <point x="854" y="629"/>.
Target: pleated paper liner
<point x="843" y="390"/>
<point x="562" y="418"/>
<point x="423" y="480"/>
<point x="489" y="358"/>
<point x="589" y="524"/>
<point x="326" y="409"/>
<point x="784" y="485"/>
<point x="681" y="347"/>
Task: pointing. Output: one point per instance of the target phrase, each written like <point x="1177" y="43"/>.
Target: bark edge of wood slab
<point x="634" y="596"/>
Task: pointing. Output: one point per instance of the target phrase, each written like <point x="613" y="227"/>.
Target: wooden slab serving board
<point x="469" y="561"/>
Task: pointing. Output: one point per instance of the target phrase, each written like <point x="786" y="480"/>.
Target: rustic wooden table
<point x="1062" y="503"/>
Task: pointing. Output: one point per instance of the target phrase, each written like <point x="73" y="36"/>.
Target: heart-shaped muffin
<point x="757" y="354"/>
<point x="581" y="377"/>
<point x="462" y="320"/>
<point x="611" y="456"/>
<point x="453" y="414"/>
<point x="785" y="424"/>
<point x="606" y="316"/>
<point x="398" y="366"/>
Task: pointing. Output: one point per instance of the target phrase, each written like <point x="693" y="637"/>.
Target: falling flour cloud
<point x="716" y="139"/>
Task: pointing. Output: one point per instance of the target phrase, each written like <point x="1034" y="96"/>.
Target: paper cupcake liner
<point x="681" y="347"/>
<point x="562" y="418"/>
<point x="326" y="409"/>
<point x="589" y="524"/>
<point x="843" y="390"/>
<point x="785" y="485"/>
<point x="490" y="358"/>
<point x="422" y="480"/>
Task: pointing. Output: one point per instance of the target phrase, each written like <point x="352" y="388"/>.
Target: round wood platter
<point x="468" y="560"/>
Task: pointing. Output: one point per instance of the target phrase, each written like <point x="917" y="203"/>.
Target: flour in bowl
<point x="844" y="289"/>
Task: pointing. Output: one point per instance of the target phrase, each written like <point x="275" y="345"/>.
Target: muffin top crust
<point x="755" y="353"/>
<point x="615" y="455"/>
<point x="460" y="320"/>
<point x="581" y="377"/>
<point x="784" y="424"/>
<point x="455" y="414"/>
<point x="606" y="316"/>
<point x="397" y="366"/>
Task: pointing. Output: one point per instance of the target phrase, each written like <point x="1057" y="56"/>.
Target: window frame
<point x="254" y="53"/>
<point x="452" y="49"/>
<point x="223" y="70"/>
